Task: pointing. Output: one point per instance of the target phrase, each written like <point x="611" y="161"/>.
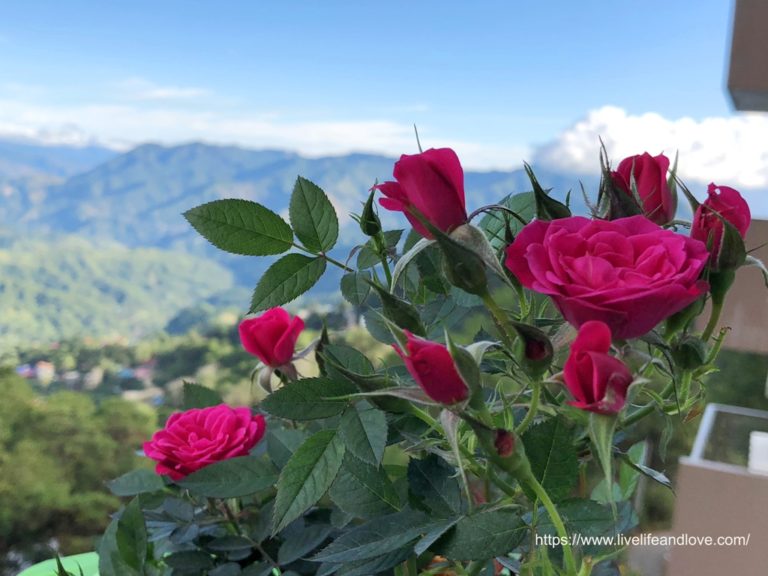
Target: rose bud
<point x="723" y="203"/>
<point x="597" y="380"/>
<point x="432" y="183"/>
<point x="432" y="367"/>
<point x="659" y="203"/>
<point x="272" y="336"/>
<point x="196" y="438"/>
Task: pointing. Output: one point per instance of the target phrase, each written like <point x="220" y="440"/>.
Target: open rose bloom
<point x="497" y="374"/>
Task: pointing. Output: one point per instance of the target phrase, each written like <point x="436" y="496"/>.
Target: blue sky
<point x="499" y="81"/>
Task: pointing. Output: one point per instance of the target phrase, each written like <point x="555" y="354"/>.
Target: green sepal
<point x="465" y="364"/>
<point x="690" y="353"/>
<point x="534" y="349"/>
<point x="601" y="429"/>
<point x="369" y="219"/>
<point x="547" y="208"/>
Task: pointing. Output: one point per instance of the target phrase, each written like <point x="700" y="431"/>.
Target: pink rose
<point x="597" y="380"/>
<point x="650" y="172"/>
<point x="272" y="336"/>
<point x="196" y="438"/>
<point x="629" y="273"/>
<point x="431" y="182"/>
<point x="431" y="365"/>
<point x="707" y="225"/>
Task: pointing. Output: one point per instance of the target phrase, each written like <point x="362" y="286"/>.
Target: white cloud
<point x="123" y="125"/>
<point x="142" y="89"/>
<point x="730" y="151"/>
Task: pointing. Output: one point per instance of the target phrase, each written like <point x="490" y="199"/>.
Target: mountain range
<point x="135" y="200"/>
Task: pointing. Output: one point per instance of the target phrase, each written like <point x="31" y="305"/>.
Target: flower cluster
<point x="567" y="323"/>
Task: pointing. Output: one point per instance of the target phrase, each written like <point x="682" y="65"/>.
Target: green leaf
<point x="354" y="287"/>
<point x="553" y="456"/>
<point x="364" y="431"/>
<point x="407" y="258"/>
<point x="308" y="399"/>
<point x="136" y="482"/>
<point x="377" y="565"/>
<point x="282" y="443"/>
<point x="300" y="540"/>
<point x="483" y="535"/>
<point x="495" y="223"/>
<point x="196" y="396"/>
<point x="434" y="483"/>
<point x="231" y="478"/>
<point x="349" y="358"/>
<point x="241" y="227"/>
<point x="131" y="536"/>
<point x="286" y="280"/>
<point x="313" y="217"/>
<point x="307" y="476"/>
<point x="363" y="490"/>
<point x="377" y="537"/>
<point x="111" y="562"/>
<point x="189" y="561"/>
<point x="589" y="518"/>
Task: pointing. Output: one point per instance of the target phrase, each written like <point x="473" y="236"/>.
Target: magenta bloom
<point x="196" y="438"/>
<point x="431" y="365"/>
<point x="431" y="182"/>
<point x="597" y="380"/>
<point x="272" y="336"/>
<point x="628" y="273"/>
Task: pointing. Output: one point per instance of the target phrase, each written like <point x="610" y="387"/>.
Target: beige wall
<point x="746" y="307"/>
<point x="748" y="74"/>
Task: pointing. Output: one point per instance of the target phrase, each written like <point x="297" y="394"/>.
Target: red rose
<point x="196" y="438"/>
<point x="629" y="273"/>
<point x="597" y="380"/>
<point x="432" y="367"/>
<point x="650" y="172"/>
<point x="431" y="182"/>
<point x="707" y="225"/>
<point x="271" y="336"/>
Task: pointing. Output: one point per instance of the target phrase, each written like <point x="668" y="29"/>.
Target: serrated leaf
<point x="282" y="443"/>
<point x="307" y="476"/>
<point x="378" y="565"/>
<point x="231" y="478"/>
<point x="407" y="258"/>
<point x="494" y="223"/>
<point x="309" y="399"/>
<point x="377" y="537"/>
<point x="197" y="396"/>
<point x="483" y="535"/>
<point x="131" y="536"/>
<point x="286" y="280"/>
<point x="111" y="562"/>
<point x="364" y="431"/>
<point x="354" y="287"/>
<point x="434" y="482"/>
<point x="300" y="540"/>
<point x="363" y="490"/>
<point x="136" y="482"/>
<point x="241" y="227"/>
<point x="189" y="560"/>
<point x="313" y="217"/>
<point x="553" y="456"/>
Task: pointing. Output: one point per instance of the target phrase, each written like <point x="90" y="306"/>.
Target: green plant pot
<point x="88" y="563"/>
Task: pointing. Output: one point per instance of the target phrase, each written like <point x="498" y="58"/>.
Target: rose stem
<point x="500" y="317"/>
<point x="532" y="409"/>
